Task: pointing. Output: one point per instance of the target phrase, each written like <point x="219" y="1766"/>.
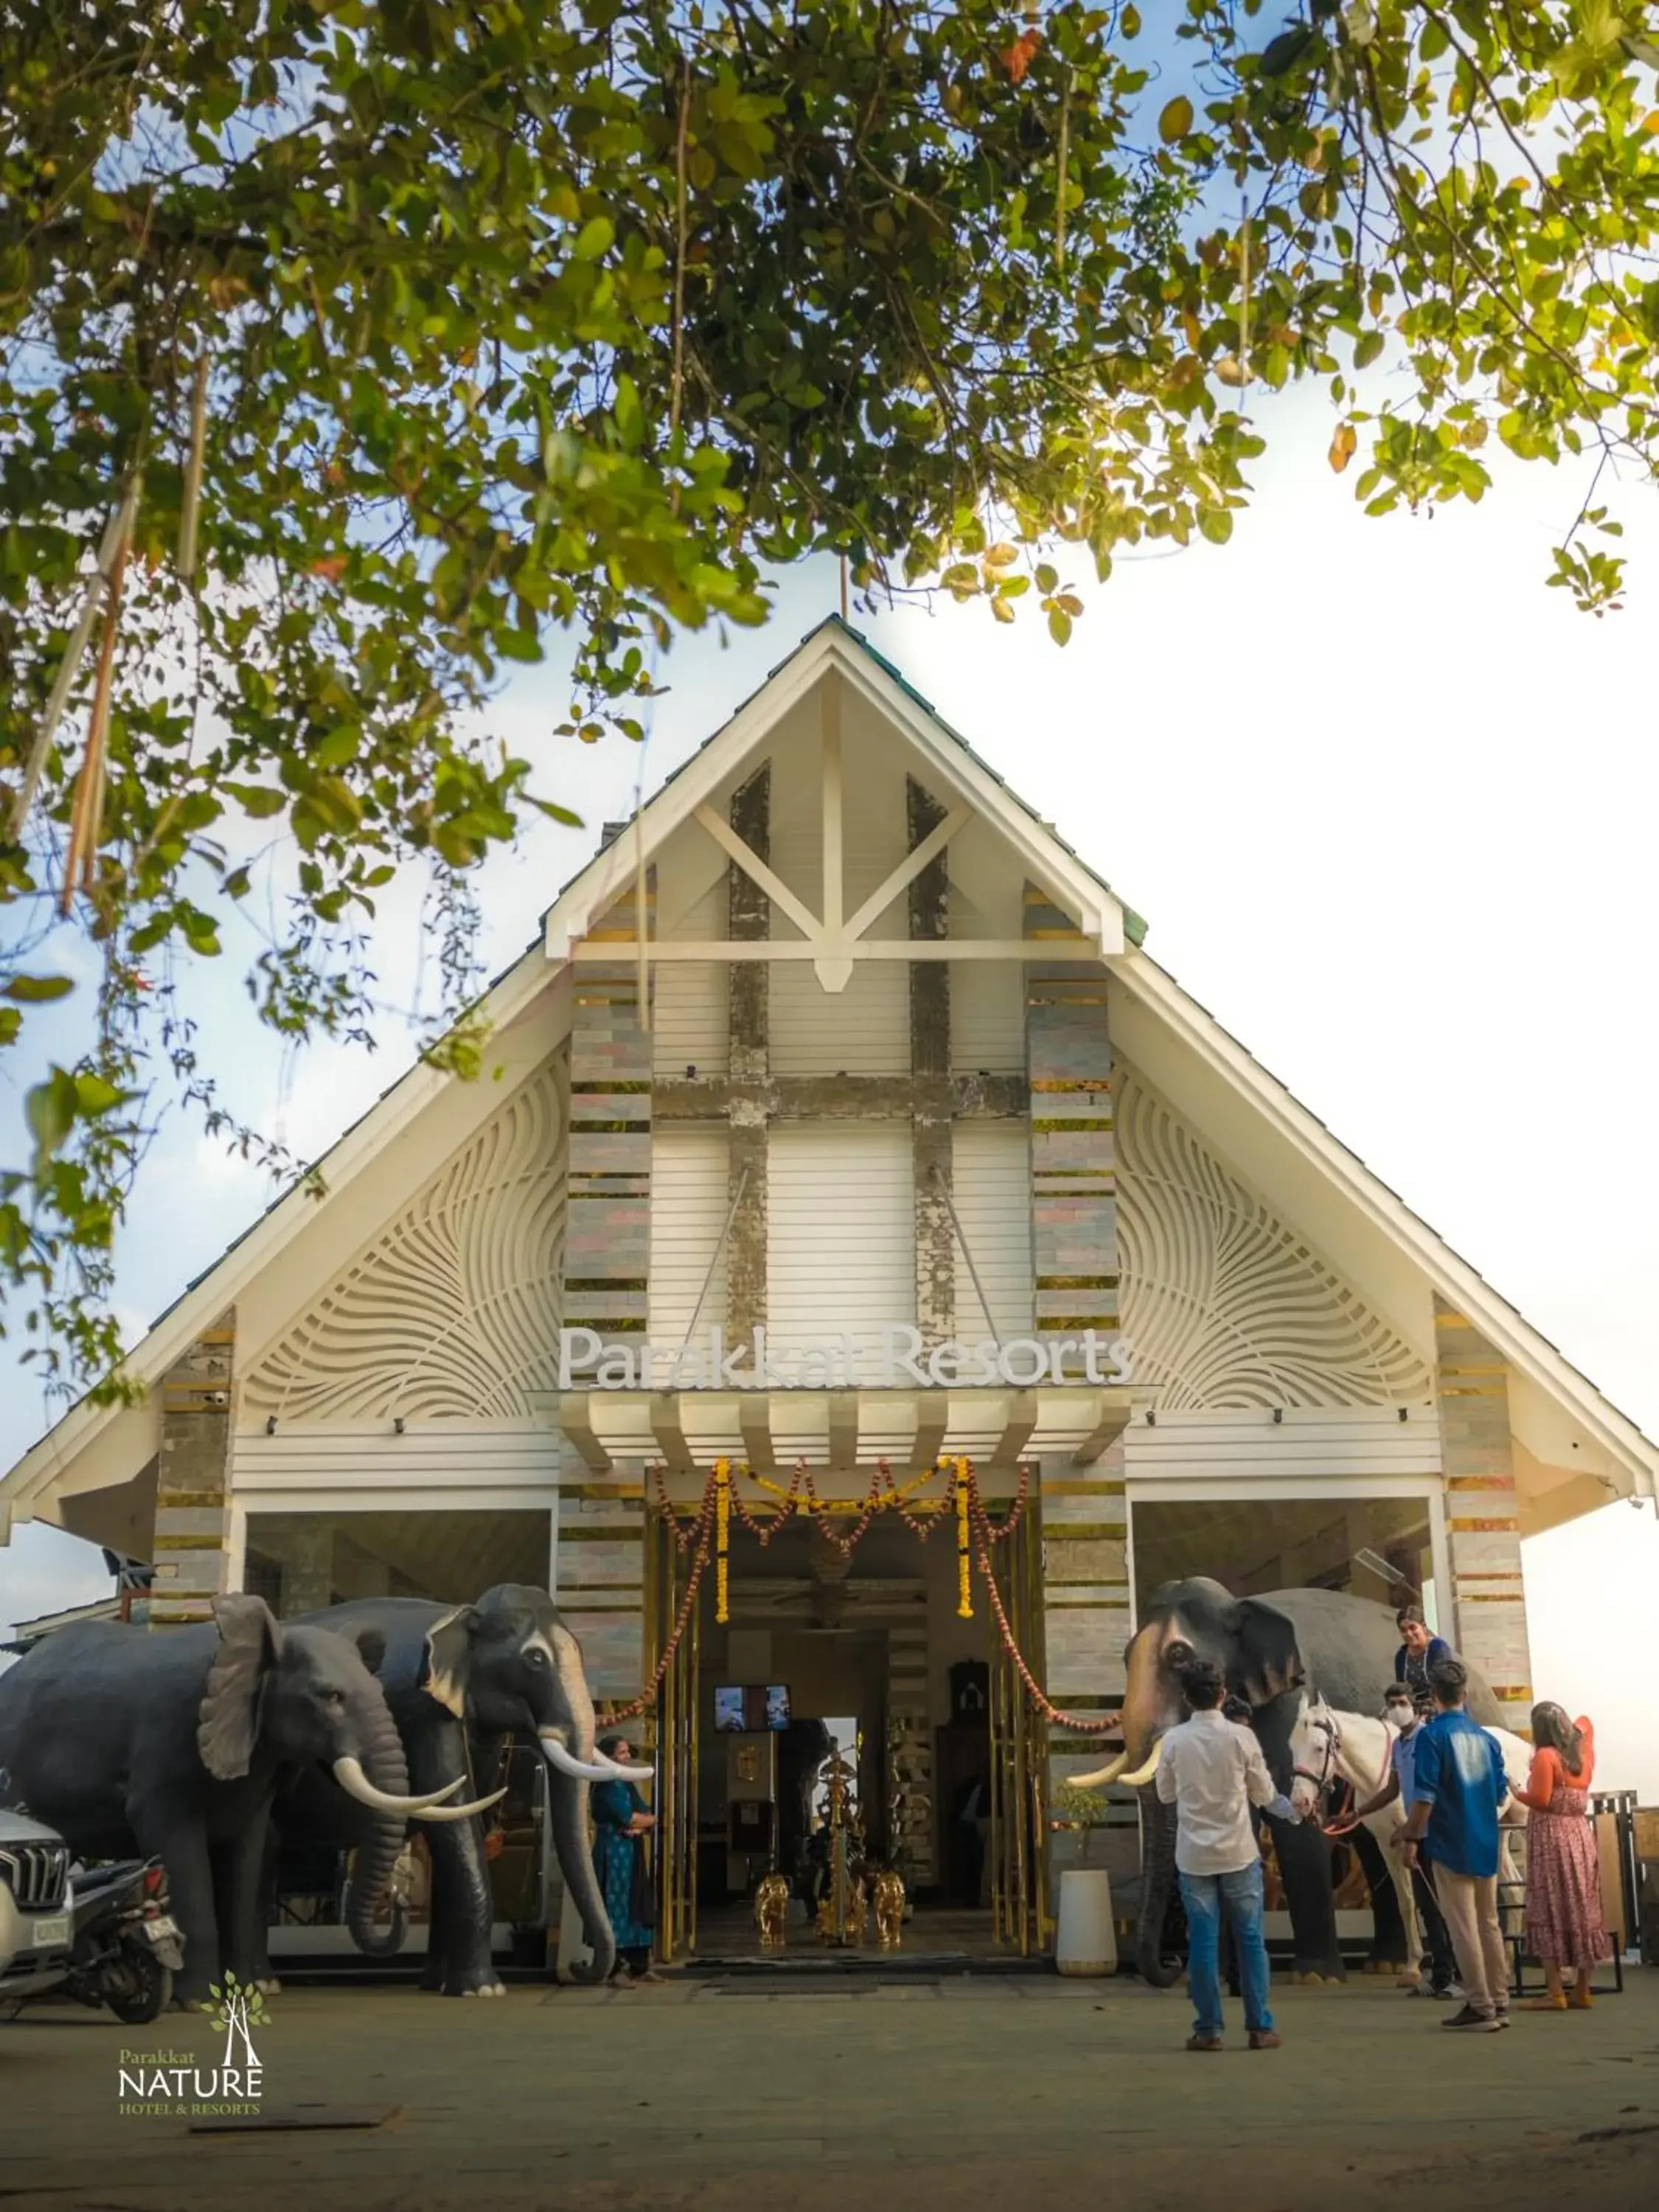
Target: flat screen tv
<point x="751" y="1708"/>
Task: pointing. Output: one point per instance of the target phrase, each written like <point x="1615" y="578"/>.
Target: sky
<point x="1387" y="805"/>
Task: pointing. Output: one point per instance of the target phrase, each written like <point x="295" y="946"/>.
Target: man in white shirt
<point x="1212" y="1772"/>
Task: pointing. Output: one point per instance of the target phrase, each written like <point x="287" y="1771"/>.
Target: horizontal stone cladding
<point x="607" y="1249"/>
<point x="1085" y="1600"/>
<point x="601" y="1581"/>
<point x="1073" y="1152"/>
<point x="1483" y="1511"/>
<point x="192" y="1474"/>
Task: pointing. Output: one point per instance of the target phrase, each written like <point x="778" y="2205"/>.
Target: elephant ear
<point x="370" y="1646"/>
<point x="227" y="1719"/>
<point x="449" y="1658"/>
<point x="1269" y="1658"/>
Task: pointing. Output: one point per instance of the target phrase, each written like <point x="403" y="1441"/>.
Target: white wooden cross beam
<point x="834" y="940"/>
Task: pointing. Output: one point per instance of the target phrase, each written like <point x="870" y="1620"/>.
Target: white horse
<point x="1328" y="1747"/>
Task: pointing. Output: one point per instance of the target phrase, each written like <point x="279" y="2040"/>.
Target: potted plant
<point x="1085" y="1940"/>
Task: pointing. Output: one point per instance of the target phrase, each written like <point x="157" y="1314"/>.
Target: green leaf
<point x="257" y="799"/>
<point x="1216" y="524"/>
<point x="34" y="990"/>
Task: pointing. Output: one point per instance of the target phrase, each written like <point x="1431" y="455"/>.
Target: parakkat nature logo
<point x="174" y="2085"/>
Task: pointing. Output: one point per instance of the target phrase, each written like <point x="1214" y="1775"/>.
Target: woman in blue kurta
<point x="621" y="1824"/>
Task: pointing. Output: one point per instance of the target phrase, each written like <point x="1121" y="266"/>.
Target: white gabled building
<point x="914" y="1100"/>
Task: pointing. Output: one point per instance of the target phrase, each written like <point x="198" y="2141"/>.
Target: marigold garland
<point x="722" y="1536"/>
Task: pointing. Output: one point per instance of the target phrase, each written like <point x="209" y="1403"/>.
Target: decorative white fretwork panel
<point x="453" y="1312"/>
<point x="1222" y="1304"/>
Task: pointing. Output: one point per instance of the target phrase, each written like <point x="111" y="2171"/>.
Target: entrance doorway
<point x="861" y="1655"/>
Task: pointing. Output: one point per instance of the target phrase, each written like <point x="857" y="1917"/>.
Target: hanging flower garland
<point x="964" y="1567"/>
<point x="722" y="1538"/>
<point x="709" y="1535"/>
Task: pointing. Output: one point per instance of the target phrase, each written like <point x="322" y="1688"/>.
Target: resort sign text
<point x="850" y="1359"/>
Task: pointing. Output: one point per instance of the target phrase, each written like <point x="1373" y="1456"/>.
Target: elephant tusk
<point x="623" y="1773"/>
<point x="1143" y="1773"/>
<point x="1098" y="1780"/>
<point x="349" y="1773"/>
<point x="566" y="1762"/>
<point x="458" y="1812"/>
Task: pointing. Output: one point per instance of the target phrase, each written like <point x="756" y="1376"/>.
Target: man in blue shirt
<point x="1458" y="1783"/>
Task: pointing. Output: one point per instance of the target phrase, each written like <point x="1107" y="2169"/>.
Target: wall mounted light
<point x="1279" y="1416"/>
<point x="270" y="1424"/>
<point x="397" y="1426"/>
<point x="1404" y="1412"/>
<point x="1151" y="1419"/>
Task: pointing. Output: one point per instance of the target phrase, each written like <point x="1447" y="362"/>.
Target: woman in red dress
<point x="1565" y="1930"/>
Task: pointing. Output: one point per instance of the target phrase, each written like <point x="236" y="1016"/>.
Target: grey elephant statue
<point x="459" y="1679"/>
<point x="1270" y="1648"/>
<point x="170" y="1743"/>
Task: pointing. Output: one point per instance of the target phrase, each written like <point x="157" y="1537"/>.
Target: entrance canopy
<point x="768" y="1431"/>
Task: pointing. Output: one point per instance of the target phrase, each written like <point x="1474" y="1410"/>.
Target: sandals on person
<point x="1544" y="2004"/>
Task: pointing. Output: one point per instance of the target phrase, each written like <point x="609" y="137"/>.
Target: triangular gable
<point x="93" y="1446"/>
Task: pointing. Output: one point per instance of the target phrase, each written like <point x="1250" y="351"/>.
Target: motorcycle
<point x="126" y="1946"/>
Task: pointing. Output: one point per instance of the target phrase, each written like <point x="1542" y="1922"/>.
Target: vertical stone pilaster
<point x="1487" y="1615"/>
<point x="749" y="917"/>
<point x="910" y="1756"/>
<point x="601" y="1579"/>
<point x="930" y="1069"/>
<point x="192" y="1481"/>
<point x="1086" y="1595"/>
<point x="607" y="1252"/>
<point x="1073" y="1154"/>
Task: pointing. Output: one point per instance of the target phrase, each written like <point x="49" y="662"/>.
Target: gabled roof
<point x="57" y="1463"/>
<point x="1049" y="859"/>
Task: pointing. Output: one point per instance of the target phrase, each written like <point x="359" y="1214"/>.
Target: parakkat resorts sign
<point x="849" y="1360"/>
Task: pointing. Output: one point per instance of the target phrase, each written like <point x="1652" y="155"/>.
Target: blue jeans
<point x="1204" y="1896"/>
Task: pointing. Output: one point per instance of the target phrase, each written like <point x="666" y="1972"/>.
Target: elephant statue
<point x="460" y="1680"/>
<point x="1270" y="1648"/>
<point x="170" y="1743"/>
<point x="771" y="1910"/>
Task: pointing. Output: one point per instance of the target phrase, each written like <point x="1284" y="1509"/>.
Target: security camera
<point x="216" y="1398"/>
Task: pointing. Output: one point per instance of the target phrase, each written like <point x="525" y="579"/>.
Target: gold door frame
<point x="1020" y="1743"/>
<point x="672" y="1729"/>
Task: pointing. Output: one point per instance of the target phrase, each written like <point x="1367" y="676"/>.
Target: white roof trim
<point x="1457" y="1282"/>
<point x="607" y="876"/>
<point x="47" y="1463"/>
<point x="1064" y="877"/>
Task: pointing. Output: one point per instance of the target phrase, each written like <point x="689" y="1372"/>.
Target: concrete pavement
<point x="692" y="2095"/>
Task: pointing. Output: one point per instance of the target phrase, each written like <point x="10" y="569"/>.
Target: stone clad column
<point x="930" y="1075"/>
<point x="606" y="1269"/>
<point x="1086" y="1576"/>
<point x="749" y="916"/>
<point x="1486" y="1618"/>
<point x="192" y="1481"/>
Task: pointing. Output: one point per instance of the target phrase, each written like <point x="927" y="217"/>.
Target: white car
<point x="37" y="1913"/>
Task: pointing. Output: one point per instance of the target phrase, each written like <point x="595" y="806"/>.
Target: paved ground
<point x="1039" y="2092"/>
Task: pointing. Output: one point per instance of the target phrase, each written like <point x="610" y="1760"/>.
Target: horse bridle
<point x="1325" y="1722"/>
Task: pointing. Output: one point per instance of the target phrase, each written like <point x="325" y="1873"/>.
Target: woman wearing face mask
<point x="1563" y="1876"/>
<point x="1403" y="1716"/>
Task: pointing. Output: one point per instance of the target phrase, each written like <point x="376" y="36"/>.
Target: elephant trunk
<point x="384" y="1762"/>
<point x="1156" y="1887"/>
<point x="569" y="1798"/>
